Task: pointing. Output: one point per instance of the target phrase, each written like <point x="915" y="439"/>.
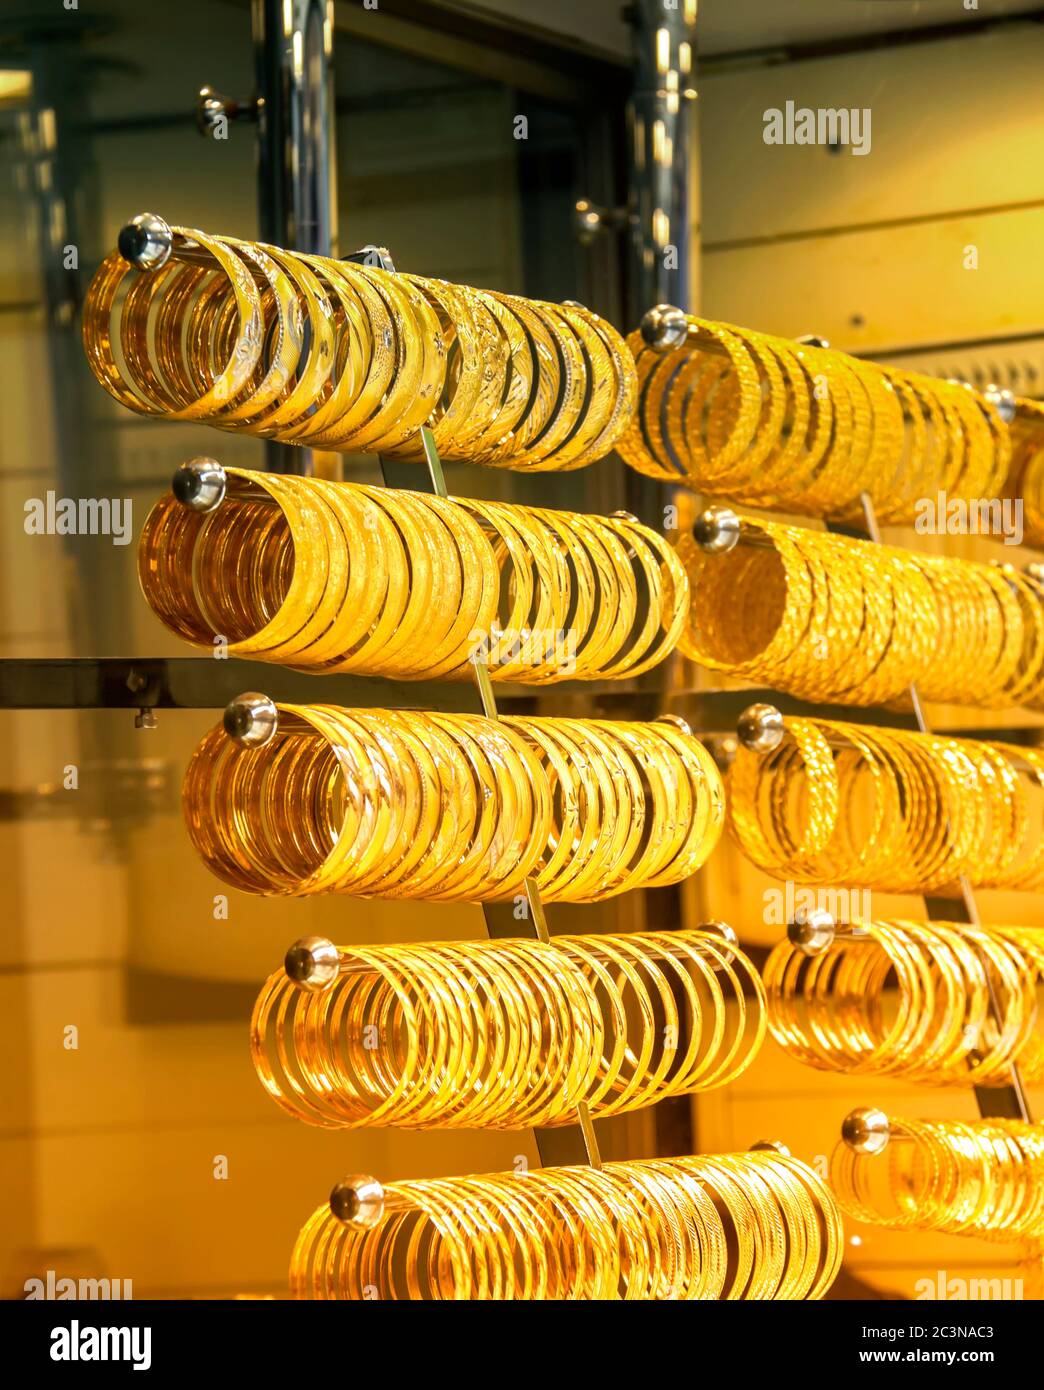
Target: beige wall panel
<point x="907" y="284"/>
<point x="954" y="125"/>
<point x="148" y="1203"/>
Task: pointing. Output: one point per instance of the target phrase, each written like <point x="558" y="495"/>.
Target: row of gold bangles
<point x="939" y="1002"/>
<point x="299" y="799"/>
<point x="781" y="424"/>
<point x="329" y="577"/>
<point x="826" y="802"/>
<point x="730" y="1226"/>
<point x="320" y="352"/>
<point x="827" y="618"/>
<point x="1027" y="469"/>
<point x="504" y="1034"/>
<point x="982" y="1178"/>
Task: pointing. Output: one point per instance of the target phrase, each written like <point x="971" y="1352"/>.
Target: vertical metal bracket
<point x="569" y="1144"/>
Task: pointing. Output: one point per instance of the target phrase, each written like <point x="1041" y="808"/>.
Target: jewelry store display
<point x="884" y="808"/>
<point x="319" y="352"/>
<point x="729" y="1226"/>
<point x="984" y="1178"/>
<point x="411" y="773"/>
<point x="535" y="1031"/>
<point x="829" y="618"/>
<point x="504" y="1034"/>
<point x="779" y="424"/>
<point x="333" y="577"/>
<point x="397" y="803"/>
<point x="836" y="1007"/>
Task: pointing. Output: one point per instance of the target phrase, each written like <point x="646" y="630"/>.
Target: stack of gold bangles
<point x="504" y="1034"/>
<point x="1027" y="469"/>
<point x="837" y="1010"/>
<point x="773" y="423"/>
<point x="730" y="1226"/>
<point x="339" y="577"/>
<point x="981" y="1179"/>
<point x="831" y="619"/>
<point x="319" y="352"/>
<point x="403" y="804"/>
<point x="882" y="808"/>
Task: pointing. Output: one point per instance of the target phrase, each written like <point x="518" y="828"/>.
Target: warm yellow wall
<point x="957" y="154"/>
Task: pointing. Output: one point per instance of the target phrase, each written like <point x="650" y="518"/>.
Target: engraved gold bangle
<point x="453" y="807"/>
<point x="319" y="352"/>
<point x="506" y="1034"/>
<point x="883" y="808"/>
<point x="802" y="428"/>
<point x="829" y="618"/>
<point x="333" y="577"/>
<point x="752" y="1225"/>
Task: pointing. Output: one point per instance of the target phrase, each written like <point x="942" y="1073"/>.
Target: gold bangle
<point x="982" y="1178"/>
<point x="824" y="617"/>
<point x="829" y="1009"/>
<point x="657" y="1229"/>
<point x="318" y="352"/>
<point x="710" y="414"/>
<point x="339" y="577"/>
<point x="452" y="807"/>
<point x="505" y="1034"/>
<point x="886" y="809"/>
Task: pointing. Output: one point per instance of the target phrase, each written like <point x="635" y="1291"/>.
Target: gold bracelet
<point x="319" y="352"/>
<point x="382" y="803"/>
<point x="333" y="577"/>
<point x="883" y="808"/>
<point x="752" y="1225"/>
<point x="829" y="1009"/>
<point x="829" y="618"/>
<point x="504" y="1034"/>
<point x="711" y="413"/>
<point x="984" y="1178"/>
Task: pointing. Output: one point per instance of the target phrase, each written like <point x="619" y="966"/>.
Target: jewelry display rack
<point x="760" y="727"/>
<point x="143" y="686"/>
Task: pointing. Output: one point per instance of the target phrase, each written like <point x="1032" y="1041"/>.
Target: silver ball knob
<point x="200" y="484"/>
<point x="664" y="328"/>
<point x="358" y="1201"/>
<point x="866" y="1131"/>
<point x="211" y="106"/>
<point x="771" y="1146"/>
<point x="588" y="221"/>
<point x="760" y="728"/>
<point x="146" y="241"/>
<point x="313" y="963"/>
<point x="1002" y="400"/>
<point x="729" y="938"/>
<point x="251" y="720"/>
<point x="812" y="931"/>
<point x="676" y="722"/>
<point x="717" y="530"/>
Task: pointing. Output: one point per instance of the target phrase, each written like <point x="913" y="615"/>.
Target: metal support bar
<point x="576" y="1143"/>
<point x="296" y="174"/>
